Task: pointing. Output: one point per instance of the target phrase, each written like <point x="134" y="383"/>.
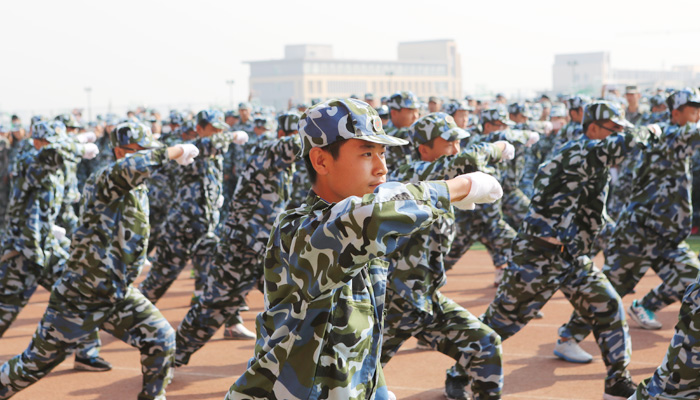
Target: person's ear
<point x="320" y="160"/>
<point x="422" y="150"/>
<point x="119" y="153"/>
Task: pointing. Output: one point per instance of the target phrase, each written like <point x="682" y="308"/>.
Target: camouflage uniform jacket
<point x="89" y="167"/>
<point x="36" y="196"/>
<point x="571" y="190"/>
<point x="570" y="132"/>
<point x="536" y="154"/>
<point x="661" y="197"/>
<point x="301" y="184"/>
<point x="199" y="193"/>
<point x="262" y="193"/>
<point x="320" y="335"/>
<point x="396" y="156"/>
<point x="109" y="246"/>
<point x="417" y="271"/>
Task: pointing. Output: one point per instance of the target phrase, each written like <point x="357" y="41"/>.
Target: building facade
<point x="588" y="72"/>
<point x="427" y="68"/>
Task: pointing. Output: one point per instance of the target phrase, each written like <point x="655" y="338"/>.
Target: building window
<point x="319" y="86"/>
<point x="311" y="86"/>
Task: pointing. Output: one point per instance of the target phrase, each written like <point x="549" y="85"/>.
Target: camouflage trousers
<point x="678" y="377"/>
<point x="537" y="271"/>
<point x="514" y="205"/>
<point x="134" y="320"/>
<point x="19" y="279"/>
<point x="173" y="249"/>
<point x="453" y="331"/>
<point x="631" y="252"/>
<point x="493" y="232"/>
<point x="233" y="272"/>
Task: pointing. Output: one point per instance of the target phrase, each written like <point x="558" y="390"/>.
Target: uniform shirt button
<point x="439" y="204"/>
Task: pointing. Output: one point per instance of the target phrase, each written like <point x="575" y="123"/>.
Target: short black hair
<point x="333" y="148"/>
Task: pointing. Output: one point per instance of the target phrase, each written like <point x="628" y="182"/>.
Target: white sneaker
<point x="570" y="351"/>
<point x="498" y="277"/>
<point x="643" y="317"/>
<point x="238" y="332"/>
<point x="392" y="396"/>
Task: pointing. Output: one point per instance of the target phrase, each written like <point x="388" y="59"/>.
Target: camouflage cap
<point x="454" y="105"/>
<point x="496" y="114"/>
<point x="520" y="108"/>
<point x="401" y="100"/>
<point x="244" y="106"/>
<point x="436" y="125"/>
<point x="176" y="117"/>
<point x="133" y="133"/>
<point x="51" y="131"/>
<point x="288" y="122"/>
<point x="602" y="110"/>
<point x="340" y="119"/>
<point x="188" y="126"/>
<point x="578" y="101"/>
<point x="682" y="97"/>
<point x="369" y="96"/>
<point x="658" y="100"/>
<point x="382" y="111"/>
<point x="263" y="122"/>
<point x="214" y="117"/>
<point x="68" y="120"/>
<point x="232" y="113"/>
<point x="36" y="119"/>
<point x="558" y="111"/>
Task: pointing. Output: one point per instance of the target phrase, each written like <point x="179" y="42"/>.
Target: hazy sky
<point x="176" y="54"/>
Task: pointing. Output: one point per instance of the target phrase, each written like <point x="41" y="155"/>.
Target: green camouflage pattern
<point x="677" y="377"/>
<point x="262" y="193"/>
<point x="535" y="273"/>
<point x="325" y="285"/>
<point x="189" y="229"/>
<point x="435" y="125"/>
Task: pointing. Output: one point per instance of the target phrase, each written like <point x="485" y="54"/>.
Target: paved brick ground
<point x="532" y="372"/>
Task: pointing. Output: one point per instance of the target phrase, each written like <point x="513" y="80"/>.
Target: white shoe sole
<point x="633" y="316"/>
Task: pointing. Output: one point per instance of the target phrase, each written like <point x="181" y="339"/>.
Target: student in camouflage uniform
<point x="498" y="126"/>
<point x="107" y="253"/>
<point x="189" y="229"/>
<point x="324" y="279"/>
<point x="645" y="237"/>
<point x="677" y="377"/>
<point x="573" y="130"/>
<point x="542" y="150"/>
<point x="236" y="266"/>
<point x="5" y="145"/>
<point x="404" y="108"/>
<point x="551" y="251"/>
<point x="288" y="124"/>
<point x="489" y="225"/>
<point x="415" y="306"/>
<point x="68" y="219"/>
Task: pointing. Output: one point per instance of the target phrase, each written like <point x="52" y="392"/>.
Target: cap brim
<point x="455" y="134"/>
<point x="386" y="140"/>
<point x="622" y="122"/>
<point x="220" y="125"/>
<point x="508" y="122"/>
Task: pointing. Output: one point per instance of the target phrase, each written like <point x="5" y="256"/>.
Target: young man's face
<point x="601" y="130"/>
<point x="358" y="170"/>
<point x="576" y="114"/>
<point x="441" y="147"/>
<point x="122" y="151"/>
<point x="518" y="118"/>
<point x="404" y="117"/>
<point x="208" y="130"/>
<point x="245" y="114"/>
<point x="461" y="118"/>
<point x="688" y="114"/>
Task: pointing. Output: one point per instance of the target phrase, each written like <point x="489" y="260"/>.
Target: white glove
<point x="189" y="152"/>
<point x="86" y="137"/>
<point x="547" y="127"/>
<point x="392" y="396"/>
<point x="58" y="232"/>
<point x="508" y="153"/>
<point x="485" y="189"/>
<point x="534" y="138"/>
<point x="220" y="202"/>
<point x="90" y="151"/>
<point x="655" y="129"/>
<point x="240" y="137"/>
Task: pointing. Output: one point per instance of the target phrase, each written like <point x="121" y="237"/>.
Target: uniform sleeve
<point x="285" y="151"/>
<point x="689" y="140"/>
<point x="129" y="172"/>
<point x="214" y="144"/>
<point x="613" y="149"/>
<point x="328" y="251"/>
